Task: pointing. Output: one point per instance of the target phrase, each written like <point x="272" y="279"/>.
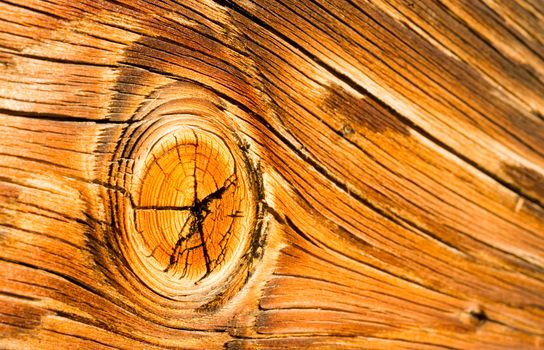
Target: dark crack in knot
<point x="198" y="212"/>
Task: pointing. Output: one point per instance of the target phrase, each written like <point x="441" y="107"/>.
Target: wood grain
<point x="251" y="174"/>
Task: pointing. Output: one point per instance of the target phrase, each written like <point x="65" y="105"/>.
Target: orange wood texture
<point x="251" y="174"/>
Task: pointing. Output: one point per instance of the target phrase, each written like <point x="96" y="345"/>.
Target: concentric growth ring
<point x="188" y="207"/>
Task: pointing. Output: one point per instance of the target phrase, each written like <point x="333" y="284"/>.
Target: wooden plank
<point x="377" y="164"/>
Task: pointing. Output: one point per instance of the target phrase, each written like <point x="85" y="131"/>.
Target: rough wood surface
<point x="258" y="174"/>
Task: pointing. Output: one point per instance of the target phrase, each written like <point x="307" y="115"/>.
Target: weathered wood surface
<point x="378" y="166"/>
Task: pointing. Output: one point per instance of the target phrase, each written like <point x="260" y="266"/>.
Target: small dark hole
<point x="478" y="315"/>
<point x="347" y="130"/>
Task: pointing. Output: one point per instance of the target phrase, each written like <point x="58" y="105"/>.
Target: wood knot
<point x="189" y="205"/>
